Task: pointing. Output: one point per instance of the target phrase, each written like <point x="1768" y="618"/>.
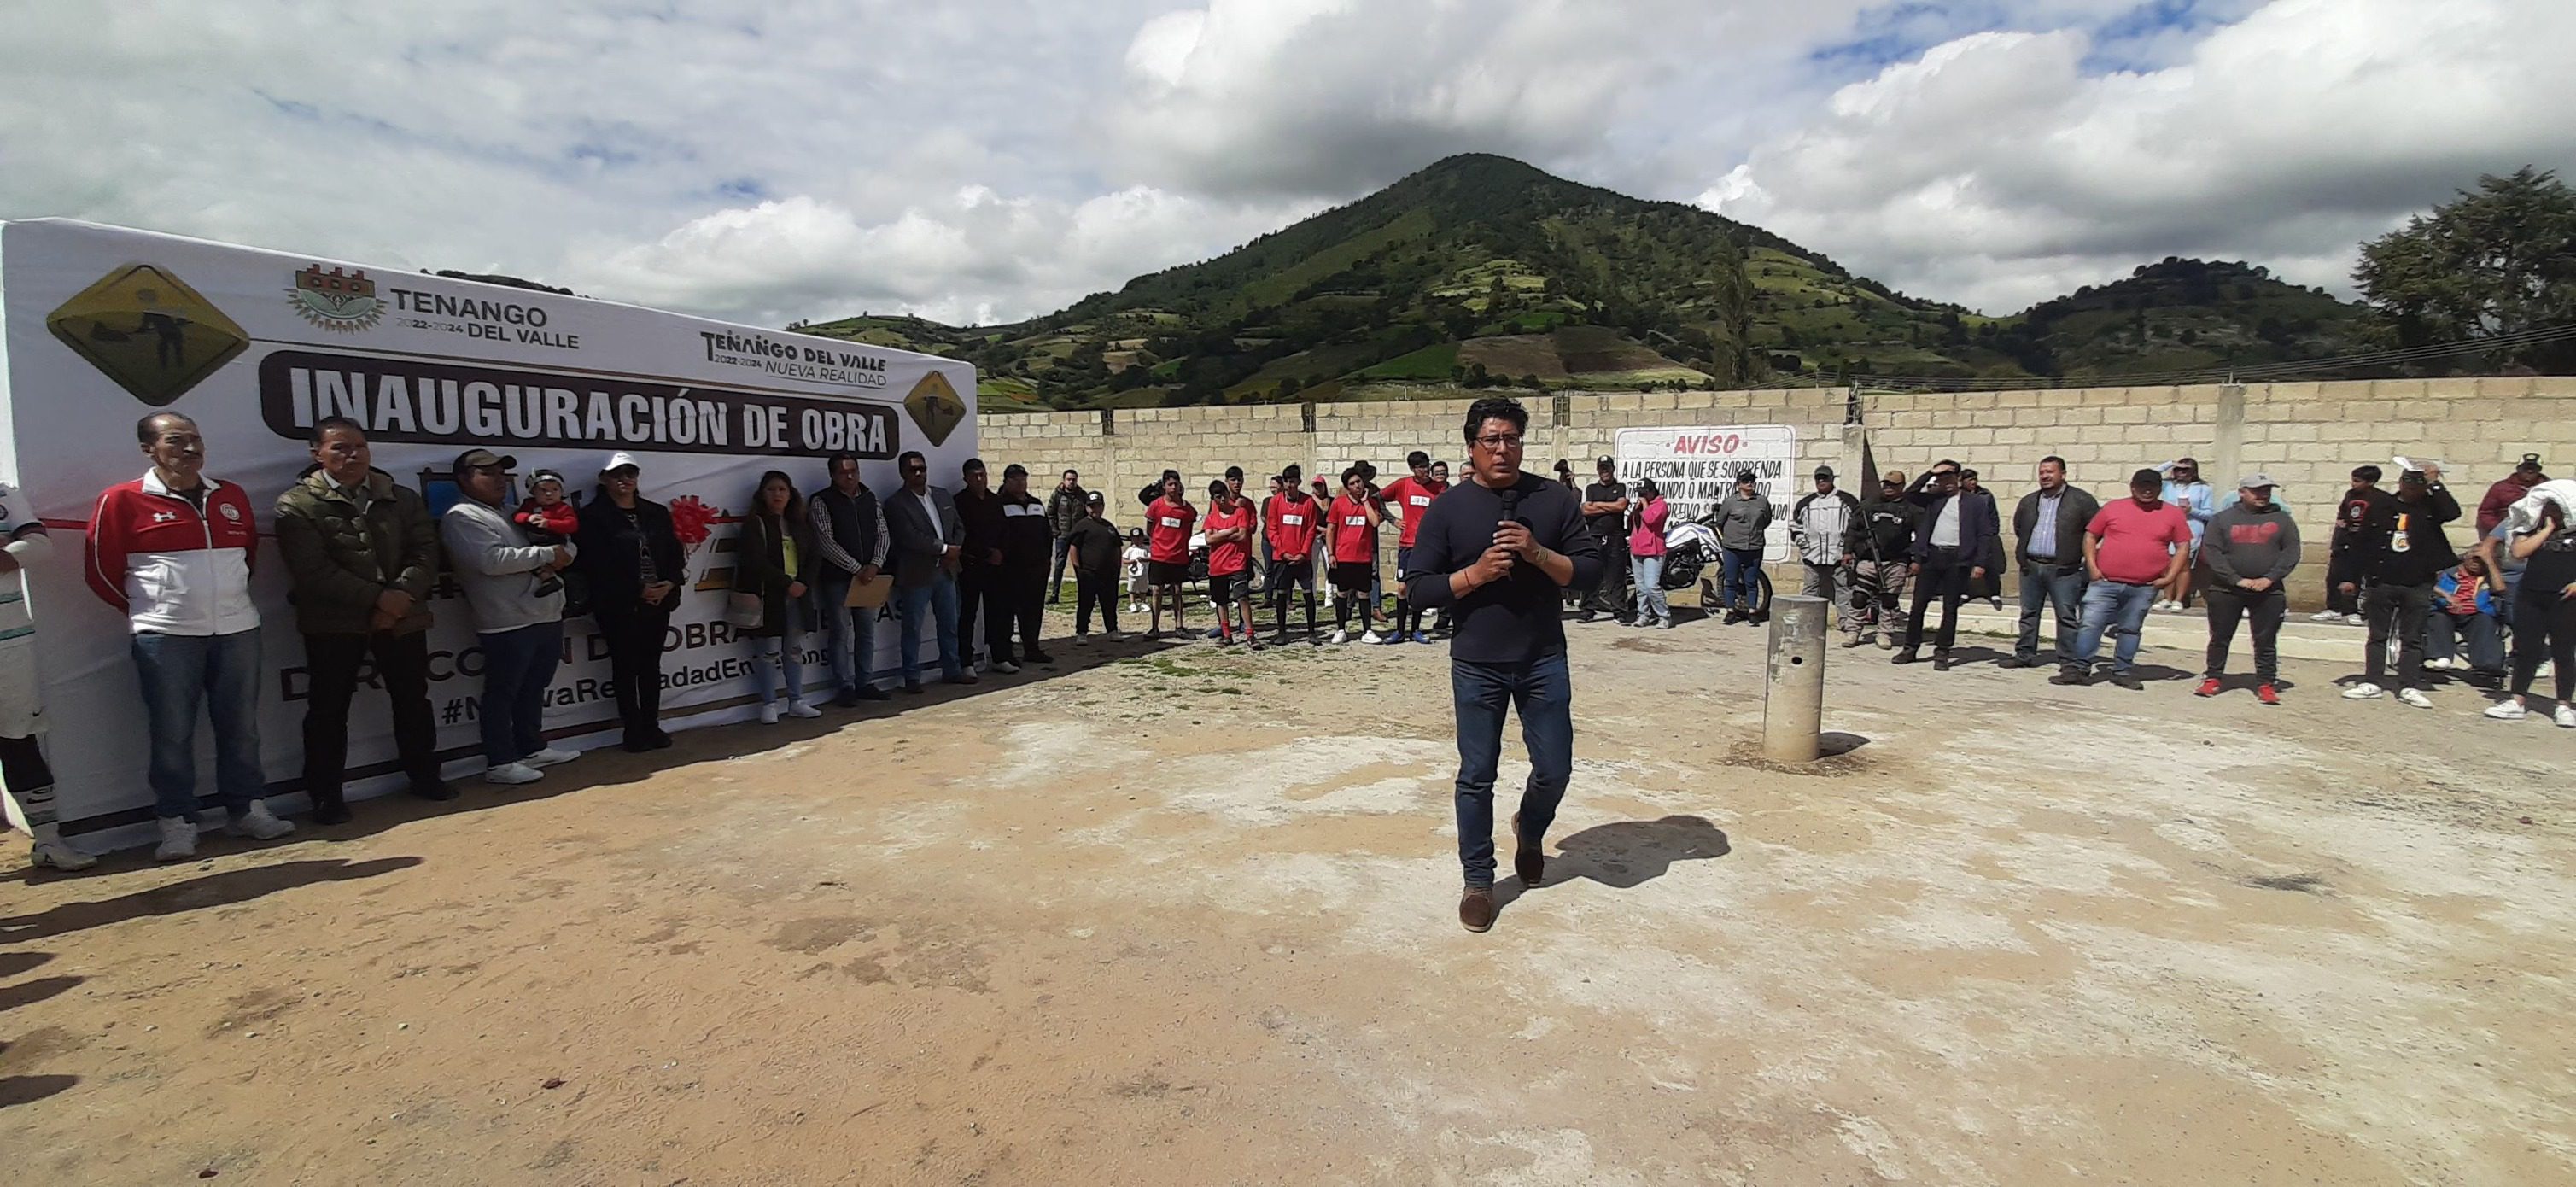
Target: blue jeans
<point x="784" y="654"/>
<point x="2443" y="632"/>
<point x="2117" y="607"/>
<point x="1649" y="573"/>
<point x="1545" y="698"/>
<point x="221" y="672"/>
<point x="1739" y="578"/>
<point x="518" y="665"/>
<point x="917" y="603"/>
<point x="2060" y="589"/>
<point x="849" y="633"/>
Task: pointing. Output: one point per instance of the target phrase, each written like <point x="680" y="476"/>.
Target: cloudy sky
<point x="980" y="160"/>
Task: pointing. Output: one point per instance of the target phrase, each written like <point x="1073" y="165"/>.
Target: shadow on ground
<point x="213" y="890"/>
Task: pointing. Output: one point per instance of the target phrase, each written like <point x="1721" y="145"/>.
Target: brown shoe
<point x="1528" y="860"/>
<point x="1476" y="908"/>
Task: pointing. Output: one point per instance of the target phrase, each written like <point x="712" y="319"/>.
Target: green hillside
<point x="1482" y="271"/>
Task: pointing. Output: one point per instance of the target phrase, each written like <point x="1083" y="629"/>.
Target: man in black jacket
<point x="1026" y="538"/>
<point x="1095" y="543"/>
<point x="1879" y="568"/>
<point x="2403" y="549"/>
<point x="2048" y="541"/>
<point x="1956" y="545"/>
<point x="979" y="584"/>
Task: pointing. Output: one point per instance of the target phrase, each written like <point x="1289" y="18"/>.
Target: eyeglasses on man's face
<point x="1499" y="441"/>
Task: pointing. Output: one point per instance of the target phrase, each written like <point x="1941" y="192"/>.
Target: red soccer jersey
<point x="1231" y="556"/>
<point x="1354" y="537"/>
<point x="1412" y="498"/>
<point x="1167" y="530"/>
<point x="1290" y="523"/>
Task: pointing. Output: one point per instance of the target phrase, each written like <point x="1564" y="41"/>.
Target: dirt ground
<point x="1189" y="918"/>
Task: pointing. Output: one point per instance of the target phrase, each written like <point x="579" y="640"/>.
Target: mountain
<point x="1481" y="270"/>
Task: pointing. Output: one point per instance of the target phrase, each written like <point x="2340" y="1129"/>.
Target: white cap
<point x="620" y="460"/>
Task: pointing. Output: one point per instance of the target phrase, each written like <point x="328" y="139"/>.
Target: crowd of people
<point x="970" y="572"/>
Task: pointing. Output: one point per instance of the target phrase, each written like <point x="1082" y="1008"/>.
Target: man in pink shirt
<point x="2133" y="549"/>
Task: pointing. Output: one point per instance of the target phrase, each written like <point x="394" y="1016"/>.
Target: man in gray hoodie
<point x="2246" y="552"/>
<point x="1740" y="519"/>
<point x="519" y="628"/>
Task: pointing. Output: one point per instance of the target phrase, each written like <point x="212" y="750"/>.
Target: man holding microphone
<point x="1497" y="552"/>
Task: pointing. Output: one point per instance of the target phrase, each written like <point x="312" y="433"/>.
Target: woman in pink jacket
<point x="1646" y="521"/>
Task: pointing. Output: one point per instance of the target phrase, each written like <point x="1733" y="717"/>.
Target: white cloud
<point x="994" y="159"/>
<point x="1996" y="170"/>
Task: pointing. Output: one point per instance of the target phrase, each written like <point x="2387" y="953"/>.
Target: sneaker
<point x="259" y="824"/>
<point x="1371" y="637"/>
<point x="1423" y="637"/>
<point x="2439" y="665"/>
<point x="2362" y="692"/>
<point x="2325" y="616"/>
<point x="1940" y="661"/>
<point x="549" y="756"/>
<point x="2069" y="676"/>
<point x="2507" y="711"/>
<point x="2564" y="716"/>
<point x="801" y="709"/>
<point x="769" y="713"/>
<point x="59" y="855"/>
<point x="512" y="774"/>
<point x="1666" y="625"/>
<point x="1215" y="633"/>
<point x="2124" y="678"/>
<point x="2210" y="687"/>
<point x="1855" y="640"/>
<point x="178" y="839"/>
<point x="1006" y="667"/>
<point x="2415" y="697"/>
<point x="2355" y="620"/>
<point x="1906" y="656"/>
<point x="2267" y="694"/>
<point x="1887" y="642"/>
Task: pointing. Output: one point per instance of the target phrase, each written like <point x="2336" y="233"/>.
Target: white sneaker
<point x="2355" y="620"/>
<point x="511" y="774"/>
<point x="801" y="709"/>
<point x="1007" y="668"/>
<point x="2509" y="711"/>
<point x="259" y="824"/>
<point x="178" y="839"/>
<point x="549" y="757"/>
<point x="769" y="713"/>
<point x="2325" y="616"/>
<point x="2565" y="717"/>
<point x="1341" y="636"/>
<point x="2362" y="692"/>
<point x="1371" y="637"/>
<point x="2439" y="665"/>
<point x="59" y="855"/>
<point x="2415" y="698"/>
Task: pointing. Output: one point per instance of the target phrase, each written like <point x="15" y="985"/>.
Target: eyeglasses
<point x="1498" y="441"/>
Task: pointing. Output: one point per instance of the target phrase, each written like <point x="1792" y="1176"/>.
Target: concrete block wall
<point x="2308" y="436"/>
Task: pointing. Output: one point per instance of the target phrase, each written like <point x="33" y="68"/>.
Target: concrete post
<point x="1793" y="695"/>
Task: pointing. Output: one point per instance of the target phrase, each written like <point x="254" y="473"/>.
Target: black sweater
<point x="2403" y="543"/>
<point x="1515" y="620"/>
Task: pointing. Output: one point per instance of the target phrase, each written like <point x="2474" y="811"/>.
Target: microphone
<point x="1511" y="504"/>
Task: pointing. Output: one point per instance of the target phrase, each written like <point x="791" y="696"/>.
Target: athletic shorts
<point x="1352" y="577"/>
<point x="21" y="704"/>
<point x="1225" y="589"/>
<point x="1167" y="572"/>
<point x="1285" y="572"/>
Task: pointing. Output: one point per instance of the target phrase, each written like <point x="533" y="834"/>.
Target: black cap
<point x="2531" y="462"/>
<point x="2147" y="478"/>
<point x="1606" y="460"/>
<point x="1824" y="471"/>
<point x="483" y="459"/>
<point x="1093" y="499"/>
<point x="1744" y="476"/>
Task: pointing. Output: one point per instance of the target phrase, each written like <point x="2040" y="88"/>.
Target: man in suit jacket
<point x="1959" y="543"/>
<point x="926" y="537"/>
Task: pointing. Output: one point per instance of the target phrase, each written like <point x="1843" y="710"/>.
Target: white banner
<point x="104" y="325"/>
<point x="1695" y="468"/>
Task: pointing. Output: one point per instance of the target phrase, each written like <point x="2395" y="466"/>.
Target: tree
<point x="2498" y="261"/>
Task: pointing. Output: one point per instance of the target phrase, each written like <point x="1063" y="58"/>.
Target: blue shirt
<point x="2043" y="534"/>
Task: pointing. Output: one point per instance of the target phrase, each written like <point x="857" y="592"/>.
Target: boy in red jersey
<point x="1289" y="523"/>
<point x="1167" y="541"/>
<point x="1230" y="528"/>
<point x="1355" y="517"/>
<point x="1409" y="497"/>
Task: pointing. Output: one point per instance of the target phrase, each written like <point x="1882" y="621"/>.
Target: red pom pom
<point x="689" y="519"/>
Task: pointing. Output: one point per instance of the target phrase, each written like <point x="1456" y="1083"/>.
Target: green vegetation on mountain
<point x="1482" y="271"/>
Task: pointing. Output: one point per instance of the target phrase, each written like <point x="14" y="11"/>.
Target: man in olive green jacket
<point x="360" y="554"/>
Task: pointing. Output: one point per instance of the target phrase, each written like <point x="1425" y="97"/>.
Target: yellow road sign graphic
<point x="148" y="331"/>
<point x="935" y="407"/>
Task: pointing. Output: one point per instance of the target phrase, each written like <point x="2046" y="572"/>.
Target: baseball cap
<point x="2147" y="478"/>
<point x="1824" y="471"/>
<point x="1746" y="476"/>
<point x="620" y="460"/>
<point x="2257" y="480"/>
<point x="483" y="459"/>
<point x="2531" y="462"/>
<point x="1605" y="460"/>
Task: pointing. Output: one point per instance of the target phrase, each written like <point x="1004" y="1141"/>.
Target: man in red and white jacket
<point x="173" y="550"/>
